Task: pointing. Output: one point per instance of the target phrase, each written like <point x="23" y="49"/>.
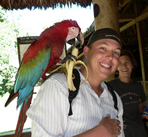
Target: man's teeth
<point x="124" y="70"/>
<point x="105" y="65"/>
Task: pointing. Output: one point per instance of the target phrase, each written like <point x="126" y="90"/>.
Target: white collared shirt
<point x="49" y="111"/>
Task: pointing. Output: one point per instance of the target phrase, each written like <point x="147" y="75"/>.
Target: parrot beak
<point x="80" y="38"/>
<point x="71" y="42"/>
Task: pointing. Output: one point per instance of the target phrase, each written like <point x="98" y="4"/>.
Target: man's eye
<point x="120" y="63"/>
<point x="103" y="48"/>
<point x="127" y="62"/>
<point x="117" y="53"/>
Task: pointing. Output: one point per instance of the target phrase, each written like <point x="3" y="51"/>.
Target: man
<point x="132" y="95"/>
<point x="93" y="109"/>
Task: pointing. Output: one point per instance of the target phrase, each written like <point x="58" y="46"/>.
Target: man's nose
<point x="123" y="65"/>
<point x="110" y="55"/>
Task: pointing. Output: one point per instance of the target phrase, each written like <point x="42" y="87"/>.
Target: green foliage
<point x="8" y="54"/>
<point x="2" y="14"/>
<point x="6" y="83"/>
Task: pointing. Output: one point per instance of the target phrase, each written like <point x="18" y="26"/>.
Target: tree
<point x="2" y="14"/>
<point x="8" y="52"/>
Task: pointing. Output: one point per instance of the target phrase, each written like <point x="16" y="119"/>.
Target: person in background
<point x="93" y="109"/>
<point x="132" y="95"/>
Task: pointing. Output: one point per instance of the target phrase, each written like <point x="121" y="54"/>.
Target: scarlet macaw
<point x="42" y="54"/>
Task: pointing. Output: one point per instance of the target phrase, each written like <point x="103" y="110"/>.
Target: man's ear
<point x="117" y="68"/>
<point x="86" y="50"/>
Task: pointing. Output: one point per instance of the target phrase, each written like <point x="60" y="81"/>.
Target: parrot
<point x="41" y="55"/>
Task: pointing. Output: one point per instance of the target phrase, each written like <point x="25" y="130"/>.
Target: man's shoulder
<point x="57" y="77"/>
<point x="113" y="81"/>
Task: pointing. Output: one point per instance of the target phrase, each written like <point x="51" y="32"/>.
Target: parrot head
<point x="64" y="31"/>
<point x="71" y="30"/>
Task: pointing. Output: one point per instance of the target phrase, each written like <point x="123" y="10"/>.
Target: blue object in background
<point x="146" y="108"/>
<point x="145" y="112"/>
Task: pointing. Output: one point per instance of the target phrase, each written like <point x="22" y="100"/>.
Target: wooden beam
<point x="124" y="20"/>
<point x="127" y="6"/>
<point x="145" y="10"/>
<point x="134" y="21"/>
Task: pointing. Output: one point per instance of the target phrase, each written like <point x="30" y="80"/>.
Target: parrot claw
<point x="68" y="57"/>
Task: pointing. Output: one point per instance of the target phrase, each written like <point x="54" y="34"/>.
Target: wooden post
<point x="106" y="14"/>
<point x="141" y="57"/>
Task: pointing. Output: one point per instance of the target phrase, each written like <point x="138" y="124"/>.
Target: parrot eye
<point x="72" y="28"/>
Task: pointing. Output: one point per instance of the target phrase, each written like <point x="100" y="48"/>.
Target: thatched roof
<point x="21" y="4"/>
<point x="44" y="4"/>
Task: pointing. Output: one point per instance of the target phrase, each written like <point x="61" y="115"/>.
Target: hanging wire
<point x="15" y="30"/>
<point x="11" y="12"/>
<point x="9" y="4"/>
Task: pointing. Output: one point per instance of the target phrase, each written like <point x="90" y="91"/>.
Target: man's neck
<point x="125" y="79"/>
<point x="95" y="84"/>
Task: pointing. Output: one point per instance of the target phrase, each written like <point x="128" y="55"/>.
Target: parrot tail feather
<point x="22" y="117"/>
<point x="11" y="97"/>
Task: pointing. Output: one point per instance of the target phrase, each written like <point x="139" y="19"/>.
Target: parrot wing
<point x="31" y="70"/>
<point x="29" y="73"/>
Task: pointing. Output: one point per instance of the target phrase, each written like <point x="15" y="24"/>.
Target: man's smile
<point x="105" y="65"/>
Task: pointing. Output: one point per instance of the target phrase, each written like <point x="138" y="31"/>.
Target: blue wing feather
<point x="25" y="84"/>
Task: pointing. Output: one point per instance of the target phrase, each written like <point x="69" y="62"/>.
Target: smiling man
<point x="93" y="109"/>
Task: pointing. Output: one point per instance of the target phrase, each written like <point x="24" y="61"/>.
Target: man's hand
<point x="106" y="128"/>
<point x="124" y="126"/>
<point x="110" y="127"/>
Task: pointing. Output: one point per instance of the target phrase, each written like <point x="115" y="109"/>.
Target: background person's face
<point x="125" y="66"/>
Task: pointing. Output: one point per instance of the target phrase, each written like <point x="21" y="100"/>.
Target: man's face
<point x="125" y="66"/>
<point x="102" y="58"/>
